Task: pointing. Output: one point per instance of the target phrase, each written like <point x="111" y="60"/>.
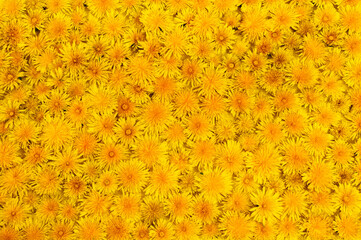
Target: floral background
<point x="180" y="119"/>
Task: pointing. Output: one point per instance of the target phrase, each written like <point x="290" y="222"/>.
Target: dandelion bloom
<point x="180" y="119"/>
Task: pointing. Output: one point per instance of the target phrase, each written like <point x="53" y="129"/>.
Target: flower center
<point x="161" y="234"/>
<point x="10" y="76"/>
<point x="111" y="154"/>
<point x="106" y="182"/>
<point x="128" y="132"/>
<point x="125" y="106"/>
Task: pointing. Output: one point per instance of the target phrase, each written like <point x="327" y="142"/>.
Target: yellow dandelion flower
<point x="303" y="74"/>
<point x="246" y="182"/>
<point x="285" y="17"/>
<point x="151" y="150"/>
<point x="198" y="127"/>
<point x="295" y="122"/>
<point x="132" y="176"/>
<point x="185" y="102"/>
<point x="75" y="187"/>
<point x="48" y="209"/>
<point x="96" y="205"/>
<point x="164" y="87"/>
<point x="271" y="132"/>
<point x="265" y="162"/>
<point x="78" y="112"/>
<point x="326" y="16"/>
<point x="254" y="23"/>
<point x="317" y="227"/>
<point x="296" y="157"/>
<point x="341" y="153"/>
<point x="8" y="152"/>
<point x="152" y="209"/>
<point x="210" y="231"/>
<point x="238" y="201"/>
<point x="163" y="230"/>
<point x="203" y="152"/>
<point x="36" y="155"/>
<point x="9" y="112"/>
<point x="317" y="140"/>
<point x="347" y="199"/>
<point x="201" y="47"/>
<point x="285" y="99"/>
<point x="295" y="204"/>
<point x="331" y="86"/>
<point x="102" y="126"/>
<point x="126" y="107"/>
<point x="186" y="229"/>
<point x="58" y="27"/>
<point x="313" y="50"/>
<point x="127" y="130"/>
<point x="225" y="129"/>
<point x="128" y="206"/>
<point x="114" y="24"/>
<point x="350" y="18"/>
<point x="141" y="69"/>
<point x="265" y="231"/>
<point x="191" y="70"/>
<point x="14" y="214"/>
<point x="85" y="143"/>
<point x="240" y="102"/>
<point x="33" y="230"/>
<point x="68" y="212"/>
<point x="175" y="134"/>
<point x="204" y="22"/>
<point x="111" y="154"/>
<point x="163" y="181"/>
<point x="213" y="82"/>
<point x="156" y="116"/>
<point x="237" y="226"/>
<point x="89" y="228"/>
<point x="268" y="206"/>
<point x="288" y="229"/>
<point x="141" y="232"/>
<point x="322" y="202"/>
<point x="204" y="210"/>
<point x="272" y="80"/>
<point x="102" y="99"/>
<point x="101" y="7"/>
<point x="107" y="183"/>
<point x="255" y="62"/>
<point x="325" y="115"/>
<point x="156" y="20"/>
<point x="61" y="231"/>
<point x="117" y="228"/>
<point x="13" y="33"/>
<point x="178" y="206"/>
<point x="348" y="227"/>
<point x="46" y="181"/>
<point x="262" y="107"/>
<point x="96" y="71"/>
<point x="67" y="162"/>
<point x="320" y="175"/>
<point x="15" y="180"/>
<point x="230" y="157"/>
<point x="74" y="57"/>
<point x="56" y="133"/>
<point x="215" y="183"/>
<point x="352" y="45"/>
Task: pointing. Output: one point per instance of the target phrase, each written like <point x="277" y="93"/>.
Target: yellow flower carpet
<point x="180" y="119"/>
